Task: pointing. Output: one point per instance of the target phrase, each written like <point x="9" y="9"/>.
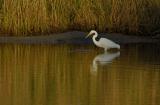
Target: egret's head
<point x="92" y="32"/>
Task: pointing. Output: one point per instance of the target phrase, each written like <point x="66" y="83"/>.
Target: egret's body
<point x="103" y="42"/>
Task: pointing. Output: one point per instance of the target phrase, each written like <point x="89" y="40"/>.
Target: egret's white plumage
<point x="103" y="42"/>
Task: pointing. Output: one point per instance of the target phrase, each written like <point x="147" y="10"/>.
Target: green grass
<point x="27" y="17"/>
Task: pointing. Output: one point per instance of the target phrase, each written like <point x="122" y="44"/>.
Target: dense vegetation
<point x="27" y="17"/>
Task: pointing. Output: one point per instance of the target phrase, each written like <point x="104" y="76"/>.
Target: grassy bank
<point x="25" y="17"/>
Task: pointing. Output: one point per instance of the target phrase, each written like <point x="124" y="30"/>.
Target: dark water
<point x="79" y="75"/>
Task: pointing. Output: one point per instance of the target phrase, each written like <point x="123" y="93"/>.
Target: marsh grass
<point x="25" y="17"/>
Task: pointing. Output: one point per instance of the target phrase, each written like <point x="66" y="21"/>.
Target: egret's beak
<point x="88" y="35"/>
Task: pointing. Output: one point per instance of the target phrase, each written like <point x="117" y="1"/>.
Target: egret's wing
<point x="107" y="43"/>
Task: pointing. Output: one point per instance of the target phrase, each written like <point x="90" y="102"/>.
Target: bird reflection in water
<point x="103" y="59"/>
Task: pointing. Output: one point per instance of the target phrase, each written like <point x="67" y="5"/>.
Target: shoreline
<point x="76" y="37"/>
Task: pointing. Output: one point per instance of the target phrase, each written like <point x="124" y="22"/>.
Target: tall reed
<point x="28" y="17"/>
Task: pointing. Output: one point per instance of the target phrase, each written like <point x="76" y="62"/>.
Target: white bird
<point x="103" y="42"/>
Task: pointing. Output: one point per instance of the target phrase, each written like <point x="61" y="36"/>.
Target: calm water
<point x="79" y="75"/>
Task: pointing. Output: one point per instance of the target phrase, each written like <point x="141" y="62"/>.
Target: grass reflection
<point x="60" y="75"/>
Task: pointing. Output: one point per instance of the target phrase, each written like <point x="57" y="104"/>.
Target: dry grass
<point x="25" y="17"/>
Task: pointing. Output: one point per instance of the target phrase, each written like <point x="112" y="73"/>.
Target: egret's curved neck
<point x="94" y="38"/>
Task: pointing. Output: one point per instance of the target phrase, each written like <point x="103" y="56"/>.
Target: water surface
<point x="79" y="75"/>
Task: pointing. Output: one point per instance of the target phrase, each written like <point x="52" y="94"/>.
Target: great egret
<point x="103" y="42"/>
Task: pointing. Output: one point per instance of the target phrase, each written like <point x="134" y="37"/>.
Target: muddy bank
<point x="76" y="37"/>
